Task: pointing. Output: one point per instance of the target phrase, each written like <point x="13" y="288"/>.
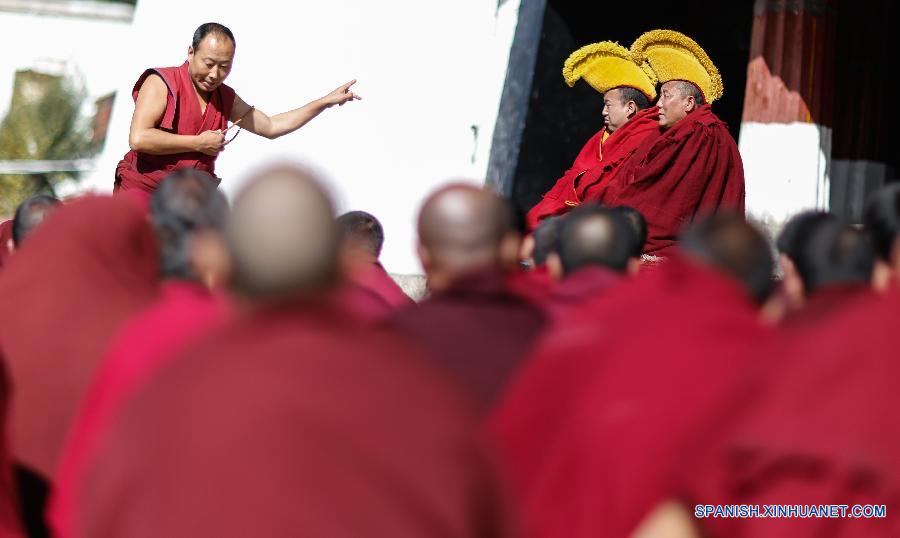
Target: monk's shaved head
<point x="462" y="227"/>
<point x="282" y="235"/>
<point x="595" y="236"/>
<point x="30" y="214"/>
<point x="732" y="245"/>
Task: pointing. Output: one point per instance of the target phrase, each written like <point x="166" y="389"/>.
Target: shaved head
<point x="282" y="235"/>
<point x="595" y="236"/>
<point x="463" y="227"/>
<point x="30" y="215"/>
<point x="732" y="245"/>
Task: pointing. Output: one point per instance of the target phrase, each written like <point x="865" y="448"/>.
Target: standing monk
<point x="628" y="89"/>
<point x="181" y="114"/>
<point x="693" y="167"/>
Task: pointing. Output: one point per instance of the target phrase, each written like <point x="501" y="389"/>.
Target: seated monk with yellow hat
<point x="693" y="167"/>
<point x="628" y="90"/>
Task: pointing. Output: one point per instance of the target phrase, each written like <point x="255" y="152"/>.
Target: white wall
<point x="785" y="169"/>
<point x="428" y="70"/>
<point x="92" y="50"/>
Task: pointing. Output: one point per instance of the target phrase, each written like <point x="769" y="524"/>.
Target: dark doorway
<point x="561" y="119"/>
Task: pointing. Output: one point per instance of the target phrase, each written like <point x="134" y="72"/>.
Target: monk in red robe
<point x="368" y="291"/>
<point x="628" y="91"/>
<point x="594" y="428"/>
<point x="475" y="325"/>
<point x="595" y="252"/>
<point x="188" y="213"/>
<point x="694" y="167"/>
<point x="292" y="420"/>
<point x="89" y="267"/>
<point x="821" y="432"/>
<point x="29" y="215"/>
<point x="181" y="114"/>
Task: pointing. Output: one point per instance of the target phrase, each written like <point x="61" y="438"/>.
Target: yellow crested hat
<point x="675" y="56"/>
<point x="607" y="65"/>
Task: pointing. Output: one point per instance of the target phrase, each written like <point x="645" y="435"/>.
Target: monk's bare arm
<point x="145" y="137"/>
<point x="271" y="127"/>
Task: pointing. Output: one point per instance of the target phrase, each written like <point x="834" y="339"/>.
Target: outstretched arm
<point x="287" y="122"/>
<point x="145" y="137"/>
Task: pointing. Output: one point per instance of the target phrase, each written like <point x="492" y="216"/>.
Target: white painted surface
<point x="428" y="70"/>
<point x="785" y="169"/>
<point x="92" y="51"/>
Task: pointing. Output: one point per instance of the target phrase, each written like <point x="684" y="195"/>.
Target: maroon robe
<point x="139" y="173"/>
<point x="582" y="285"/>
<point x="371" y="294"/>
<point x="692" y="169"/>
<point x="10" y="526"/>
<point x="821" y="431"/>
<point x="597" y="160"/>
<point x="535" y="285"/>
<point x="184" y="313"/>
<point x="478" y="331"/>
<point x="290" y="422"/>
<point x="89" y="267"/>
<point x="640" y="380"/>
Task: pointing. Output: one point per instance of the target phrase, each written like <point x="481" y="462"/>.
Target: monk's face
<point x="673" y="104"/>
<point x="210" y="64"/>
<point x="616" y="113"/>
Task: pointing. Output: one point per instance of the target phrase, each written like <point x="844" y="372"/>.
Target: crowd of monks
<point x="175" y="365"/>
<point x="255" y="371"/>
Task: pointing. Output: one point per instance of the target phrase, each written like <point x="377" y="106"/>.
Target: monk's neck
<point x="202" y="96"/>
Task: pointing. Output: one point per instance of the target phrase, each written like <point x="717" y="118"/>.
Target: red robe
<point x="692" y="169"/>
<point x="184" y="313"/>
<point x="593" y="448"/>
<point x="477" y="331"/>
<point x="9" y="515"/>
<point x="137" y="173"/>
<point x="820" y="431"/>
<point x="596" y="161"/>
<point x="291" y="422"/>
<point x="535" y="285"/>
<point x="89" y="267"/>
<point x="371" y="294"/>
<point x="580" y="286"/>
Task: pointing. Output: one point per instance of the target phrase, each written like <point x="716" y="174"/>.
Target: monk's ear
<point x="190" y="52"/>
<point x="510" y="247"/>
<point x="633" y="267"/>
<point x="791" y="283"/>
<point x="210" y="259"/>
<point x="882" y="276"/>
<point x="632" y="109"/>
<point x="690" y="103"/>
<point x="554" y="266"/>
<point x="424" y="256"/>
<point x="10" y="246"/>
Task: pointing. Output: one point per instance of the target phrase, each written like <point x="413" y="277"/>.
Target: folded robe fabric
<point x="184" y="312"/>
<point x="593" y="430"/>
<point x="89" y="267"/>
<point x="294" y="422"/>
<point x="694" y="168"/>
<point x="597" y="160"/>
<point x="820" y="430"/>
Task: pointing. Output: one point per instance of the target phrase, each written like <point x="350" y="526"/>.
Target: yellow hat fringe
<point x="677" y="40"/>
